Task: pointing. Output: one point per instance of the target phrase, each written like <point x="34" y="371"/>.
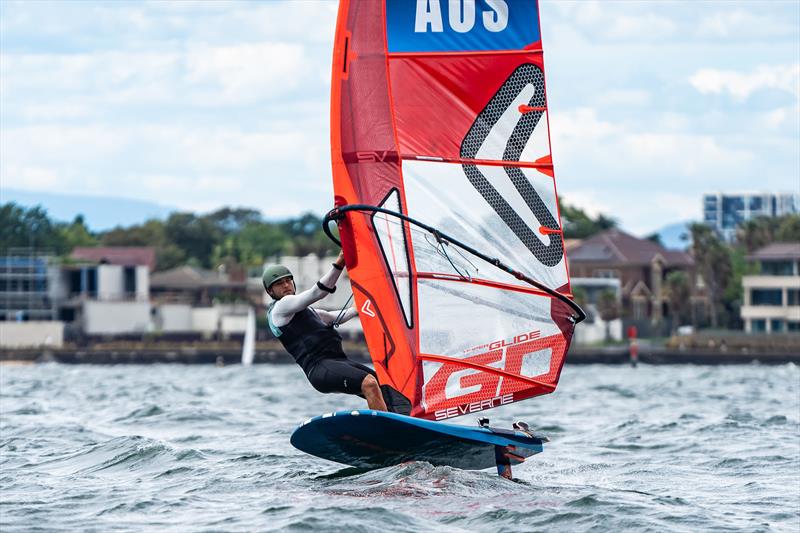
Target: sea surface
<point x="200" y="448"/>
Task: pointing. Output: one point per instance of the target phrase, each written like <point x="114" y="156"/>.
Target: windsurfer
<point x="309" y="336"/>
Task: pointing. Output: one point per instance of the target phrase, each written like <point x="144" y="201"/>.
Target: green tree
<point x="713" y="260"/>
<point x="196" y="236"/>
<point x="77" y="234"/>
<point x="305" y="236"/>
<point x="678" y="293"/>
<point x="579" y="225"/>
<point x="151" y="233"/>
<point x="609" y="309"/>
<point x="755" y="233"/>
<point x="656" y="238"/>
<point x="29" y="227"/>
<point x="259" y="240"/>
<point x="761" y="231"/>
<point x="788" y="229"/>
<point x="232" y="220"/>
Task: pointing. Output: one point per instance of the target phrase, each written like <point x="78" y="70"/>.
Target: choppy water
<point x="198" y="448"/>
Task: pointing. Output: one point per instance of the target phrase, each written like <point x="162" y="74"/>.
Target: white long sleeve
<point x="285" y="308"/>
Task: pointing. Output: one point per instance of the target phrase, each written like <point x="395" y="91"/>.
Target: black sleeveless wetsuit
<point x="317" y="348"/>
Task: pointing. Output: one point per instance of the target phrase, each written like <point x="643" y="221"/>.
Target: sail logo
<point x="461" y="15"/>
<point x="371" y="156"/>
<point x="473" y="407"/>
<point x="516" y="340"/>
<point x="367" y="309"/>
<point x="452" y="386"/>
<point x="461" y="25"/>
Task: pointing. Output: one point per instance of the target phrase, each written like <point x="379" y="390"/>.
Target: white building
<point x="107" y="289"/>
<point x="187" y="299"/>
<point x="772" y="297"/>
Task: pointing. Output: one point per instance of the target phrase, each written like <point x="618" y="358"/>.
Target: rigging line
<point x="442" y="252"/>
<point x="442" y="244"/>
<point x="337" y="321"/>
<point x="337" y="213"/>
<point x="464" y="257"/>
<point x="427" y="236"/>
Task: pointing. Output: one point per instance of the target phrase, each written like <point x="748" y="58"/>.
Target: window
<point x="792" y="326"/>
<point x="130" y="280"/>
<point x="639" y="309"/>
<point x="759" y="326"/>
<point x="766" y="297"/>
<point x="776" y="325"/>
<point x="776" y="268"/>
<point x="793" y="296"/>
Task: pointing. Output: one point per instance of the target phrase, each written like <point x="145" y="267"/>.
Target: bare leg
<point x="372" y="391"/>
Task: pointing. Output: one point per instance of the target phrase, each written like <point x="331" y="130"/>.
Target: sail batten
<point x="447" y="207"/>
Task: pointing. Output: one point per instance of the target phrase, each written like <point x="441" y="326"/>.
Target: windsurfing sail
<point x="249" y="343"/>
<point x="446" y="201"/>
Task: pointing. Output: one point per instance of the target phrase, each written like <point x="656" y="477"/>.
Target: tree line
<point x="242" y="236"/>
<point x="229" y="235"/>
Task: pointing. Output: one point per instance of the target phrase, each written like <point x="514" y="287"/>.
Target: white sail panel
<point x="538" y="145"/>
<point x="442" y="196"/>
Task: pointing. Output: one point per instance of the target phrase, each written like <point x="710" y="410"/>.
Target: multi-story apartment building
<point x="28" y="285"/>
<point x="726" y="211"/>
<point x="772" y="297"/>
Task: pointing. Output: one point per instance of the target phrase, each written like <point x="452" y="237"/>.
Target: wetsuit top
<point x="306" y="333"/>
<point x="308" y="338"/>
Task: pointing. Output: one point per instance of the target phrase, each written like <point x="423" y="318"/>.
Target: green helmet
<point x="274" y="273"/>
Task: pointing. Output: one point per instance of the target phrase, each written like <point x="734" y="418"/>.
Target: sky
<point x="205" y="104"/>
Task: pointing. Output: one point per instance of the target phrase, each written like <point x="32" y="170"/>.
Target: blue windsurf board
<point x="375" y="439"/>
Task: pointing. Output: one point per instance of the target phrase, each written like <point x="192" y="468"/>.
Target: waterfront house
<point x="772" y="297"/>
<point x="191" y="300"/>
<point x="105" y="290"/>
<point x="641" y="267"/>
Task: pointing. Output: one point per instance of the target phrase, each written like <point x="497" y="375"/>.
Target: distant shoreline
<point x="273" y="353"/>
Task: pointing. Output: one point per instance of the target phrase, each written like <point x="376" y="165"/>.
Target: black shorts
<point x="339" y="375"/>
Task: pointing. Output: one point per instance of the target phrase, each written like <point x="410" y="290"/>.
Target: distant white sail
<point x="249" y="344"/>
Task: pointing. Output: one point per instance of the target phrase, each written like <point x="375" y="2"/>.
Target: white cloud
<point x="739" y="23"/>
<point x="185" y="167"/>
<point x="742" y="84"/>
<point x="28" y="177"/>
<point x="625" y="98"/>
<point x="642" y="177"/>
<point x="614" y="21"/>
<point x="212" y="76"/>
<point x="646" y="27"/>
<point x="247" y="73"/>
<point x="208" y="103"/>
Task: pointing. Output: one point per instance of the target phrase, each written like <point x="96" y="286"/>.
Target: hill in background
<point x="100" y="213"/>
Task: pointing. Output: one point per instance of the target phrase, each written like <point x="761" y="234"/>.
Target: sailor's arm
<point x="294" y="303"/>
<point x="329" y="317"/>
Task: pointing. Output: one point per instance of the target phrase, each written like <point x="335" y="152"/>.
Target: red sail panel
<point x="442" y="117"/>
<point x="366" y="169"/>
